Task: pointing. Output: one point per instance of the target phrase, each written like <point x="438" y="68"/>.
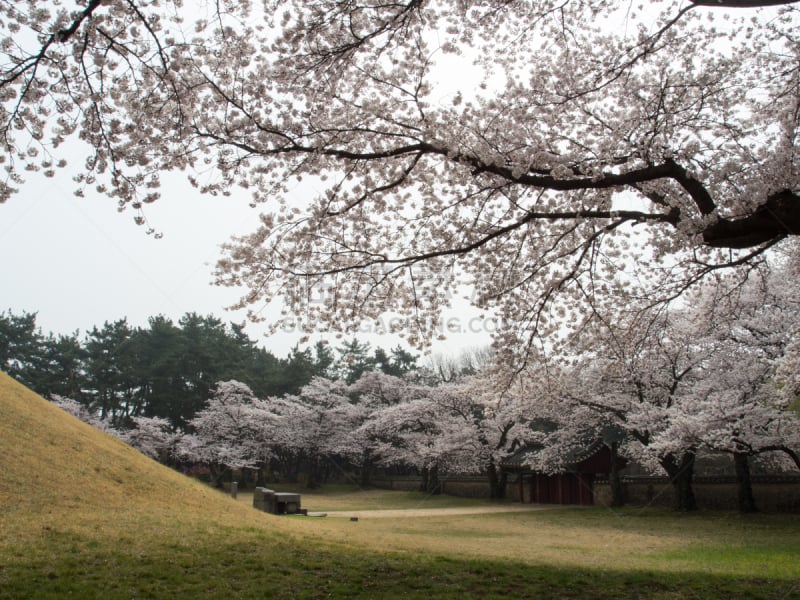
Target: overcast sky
<point x="78" y="262"/>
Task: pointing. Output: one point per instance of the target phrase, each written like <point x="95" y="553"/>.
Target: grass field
<point x="83" y="516"/>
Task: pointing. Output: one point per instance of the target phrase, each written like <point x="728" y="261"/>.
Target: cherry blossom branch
<point x="740" y="3"/>
<point x="771" y="448"/>
<point x="64" y="34"/>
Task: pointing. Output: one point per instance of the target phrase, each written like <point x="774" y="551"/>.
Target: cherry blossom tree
<point x="787" y="372"/>
<point x="685" y="379"/>
<point x="736" y="405"/>
<point x="235" y="431"/>
<point x="153" y="436"/>
<point x="82" y="412"/>
<point x="579" y="137"/>
<point x="494" y="418"/>
<point x="374" y="392"/>
<point x="420" y="433"/>
<point x="411" y="423"/>
<point x="315" y="425"/>
<point x="633" y="375"/>
<point x="465" y="428"/>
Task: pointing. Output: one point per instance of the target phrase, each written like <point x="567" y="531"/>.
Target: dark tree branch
<point x="741" y="3"/>
<point x="64" y="34"/>
<point x="777" y="218"/>
<point x="773" y="448"/>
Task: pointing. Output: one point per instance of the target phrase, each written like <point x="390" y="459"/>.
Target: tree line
<point x="719" y="374"/>
<point x="169" y="369"/>
<point x="659" y="386"/>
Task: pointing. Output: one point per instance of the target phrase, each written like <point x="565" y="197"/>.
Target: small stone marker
<point x="234" y="489"/>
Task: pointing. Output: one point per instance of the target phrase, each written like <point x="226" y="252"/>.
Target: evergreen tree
<point x="297" y="370"/>
<point x="354" y="360"/>
<point x="164" y="387"/>
<point x="20" y="345"/>
<point x="323" y="360"/>
<point x="61" y="367"/>
<point x="397" y="364"/>
<point x="112" y="368"/>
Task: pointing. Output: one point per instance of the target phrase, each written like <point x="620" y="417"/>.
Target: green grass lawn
<point x="83" y="516"/>
<point x="350" y="497"/>
<point x="581" y="554"/>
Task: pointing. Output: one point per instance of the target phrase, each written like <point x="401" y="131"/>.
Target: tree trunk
<point x="218" y="473"/>
<point x="260" y="479"/>
<point x="430" y="481"/>
<point x="366" y="470"/>
<point x="747" y="502"/>
<point x="312" y="475"/>
<point x="614" y="477"/>
<point x="681" y="473"/>
<point x="497" y="481"/>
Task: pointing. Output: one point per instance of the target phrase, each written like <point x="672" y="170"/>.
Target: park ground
<point x="85" y="516"/>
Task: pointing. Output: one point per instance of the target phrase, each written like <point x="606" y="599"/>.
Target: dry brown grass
<point x="59" y="470"/>
<point x="54" y="460"/>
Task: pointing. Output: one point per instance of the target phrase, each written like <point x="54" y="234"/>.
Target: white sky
<point x="78" y="262"/>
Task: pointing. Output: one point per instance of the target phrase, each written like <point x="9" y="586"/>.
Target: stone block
<point x="264" y="499"/>
<point x="287" y="504"/>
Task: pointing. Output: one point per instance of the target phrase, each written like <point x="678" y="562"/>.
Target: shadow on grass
<point x="255" y="564"/>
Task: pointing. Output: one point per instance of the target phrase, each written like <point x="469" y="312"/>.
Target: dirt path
<point x="436" y="512"/>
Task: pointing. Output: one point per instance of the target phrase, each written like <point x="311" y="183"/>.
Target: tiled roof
<point x="523" y="457"/>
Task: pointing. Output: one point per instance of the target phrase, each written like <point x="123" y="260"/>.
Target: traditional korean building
<point x="573" y="485"/>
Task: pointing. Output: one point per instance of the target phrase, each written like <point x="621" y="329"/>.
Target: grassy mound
<point x="84" y="516"/>
<point x="53" y="461"/>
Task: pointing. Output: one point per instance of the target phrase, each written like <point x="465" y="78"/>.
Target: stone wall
<point x="772" y="494"/>
<point x="464" y="486"/>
